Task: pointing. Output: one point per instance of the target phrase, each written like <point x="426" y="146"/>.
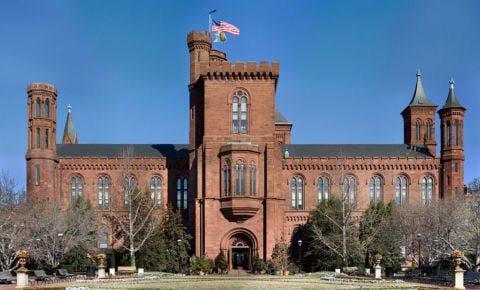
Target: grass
<point x="232" y="282"/>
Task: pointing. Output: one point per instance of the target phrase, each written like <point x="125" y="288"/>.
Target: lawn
<point x="232" y="282"/>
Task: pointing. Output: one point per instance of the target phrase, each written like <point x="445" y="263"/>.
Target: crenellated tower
<point x="419" y="119"/>
<point x="452" y="150"/>
<point x="42" y="131"/>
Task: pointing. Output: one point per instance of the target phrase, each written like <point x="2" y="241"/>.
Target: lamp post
<point x="179" y="242"/>
<point x="300" y="256"/>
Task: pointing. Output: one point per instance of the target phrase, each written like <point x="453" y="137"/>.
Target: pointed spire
<point x="69" y="133"/>
<point x="452" y="98"/>
<point x="419" y="97"/>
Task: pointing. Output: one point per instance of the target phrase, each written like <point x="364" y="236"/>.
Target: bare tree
<point x="134" y="217"/>
<point x="9" y="193"/>
<point x="54" y="232"/>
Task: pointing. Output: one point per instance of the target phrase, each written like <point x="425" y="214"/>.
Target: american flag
<point x="222" y="26"/>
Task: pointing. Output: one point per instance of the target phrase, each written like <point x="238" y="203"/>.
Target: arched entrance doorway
<point x="240" y="246"/>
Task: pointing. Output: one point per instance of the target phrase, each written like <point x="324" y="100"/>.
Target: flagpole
<point x="210" y="19"/>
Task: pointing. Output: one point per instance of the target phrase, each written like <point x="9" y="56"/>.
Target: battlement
<point x="199" y="38"/>
<point x="221" y="70"/>
<point x="41" y="87"/>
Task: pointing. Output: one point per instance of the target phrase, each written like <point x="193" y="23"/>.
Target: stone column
<point x="22" y="278"/>
<point x="378" y="271"/>
<point x="459" y="279"/>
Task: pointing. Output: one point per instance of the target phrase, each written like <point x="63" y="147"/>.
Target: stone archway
<point x="240" y="246"/>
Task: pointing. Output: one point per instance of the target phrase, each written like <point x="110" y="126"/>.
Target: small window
<point x="428" y="129"/>
<point x="417" y="130"/>
<point x="455" y="133"/>
<point x="253" y="179"/>
<point x="449" y="129"/>
<point x="46" y="138"/>
<point x="239" y="178"/>
<point x="37" y="174"/>
<point x="182" y="193"/>
<point x="38" y="138"/>
<point x="227" y="185"/>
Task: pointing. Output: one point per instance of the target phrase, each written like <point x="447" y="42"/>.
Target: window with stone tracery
<point x="323" y="188"/>
<point x="375" y="189"/>
<point x="239" y="112"/>
<point x="156" y="187"/>
<point x="427" y="190"/>
<point x="297" y="193"/>
<point x="401" y="191"/>
<point x="76" y="191"/>
<point x="103" y="191"/>
<point x="182" y="193"/>
<point x="350" y="191"/>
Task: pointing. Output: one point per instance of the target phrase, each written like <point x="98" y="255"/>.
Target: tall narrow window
<point x="103" y="192"/>
<point x="235" y="115"/>
<point x="129" y="187"/>
<point x="349" y="191"/>
<point x="47" y="108"/>
<point x="239" y="112"/>
<point x="417" y="130"/>
<point x="375" y="189"/>
<point x="428" y="129"/>
<point x="46" y="138"/>
<point x="401" y="191"/>
<point x="455" y="133"/>
<point x="182" y="193"/>
<point x="239" y="178"/>
<point x="38" y="138"/>
<point x="253" y="179"/>
<point x="243" y="115"/>
<point x="297" y="193"/>
<point x="37" y="174"/>
<point x="323" y="186"/>
<point x="76" y="189"/>
<point x="227" y="182"/>
<point x="156" y="190"/>
<point x="37" y="109"/>
<point x="448" y="133"/>
<point x="427" y="190"/>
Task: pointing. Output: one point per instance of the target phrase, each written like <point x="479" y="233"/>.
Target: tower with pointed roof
<point x="42" y="150"/>
<point x="69" y="133"/>
<point x="451" y="148"/>
<point x="419" y="119"/>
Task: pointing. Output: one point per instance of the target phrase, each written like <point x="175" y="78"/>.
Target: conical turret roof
<point x="419" y="97"/>
<point x="452" y="100"/>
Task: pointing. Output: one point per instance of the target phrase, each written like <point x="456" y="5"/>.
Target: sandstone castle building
<point x="239" y="182"/>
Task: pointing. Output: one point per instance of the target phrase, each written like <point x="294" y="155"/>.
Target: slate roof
<point x="279" y="118"/>
<point x="419" y="97"/>
<point x="116" y="150"/>
<point x="355" y="150"/>
<point x="452" y="100"/>
<point x="70" y="128"/>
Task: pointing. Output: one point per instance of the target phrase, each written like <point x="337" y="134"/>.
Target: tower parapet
<point x="238" y="70"/>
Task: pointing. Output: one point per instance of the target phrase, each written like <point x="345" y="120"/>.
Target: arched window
<point x="129" y="187"/>
<point x="417" y="130"/>
<point x="227" y="182"/>
<point x="297" y="193"/>
<point x="239" y="178"/>
<point x="428" y="129"/>
<point x="242" y="109"/>
<point x="375" y="189"/>
<point x="323" y="187"/>
<point x="448" y="132"/>
<point x="37" y="109"/>
<point x="156" y="187"/>
<point x="103" y="193"/>
<point x="401" y="191"/>
<point x="76" y="188"/>
<point x="427" y="190"/>
<point x="47" y="108"/>
<point x="455" y="133"/>
<point x="182" y="193"/>
<point x="349" y="191"/>
<point x="253" y="179"/>
<point x="37" y="174"/>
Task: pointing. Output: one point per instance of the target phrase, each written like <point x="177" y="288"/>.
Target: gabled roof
<point x="355" y="150"/>
<point x="116" y="150"/>
<point x="452" y="100"/>
<point x="419" y="97"/>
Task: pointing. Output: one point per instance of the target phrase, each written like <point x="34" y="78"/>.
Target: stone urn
<point x="457" y="259"/>
<point x="22" y="255"/>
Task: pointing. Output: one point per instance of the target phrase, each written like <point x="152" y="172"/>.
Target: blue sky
<point x="347" y="68"/>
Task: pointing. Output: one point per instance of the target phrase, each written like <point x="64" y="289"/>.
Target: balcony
<point x="240" y="208"/>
